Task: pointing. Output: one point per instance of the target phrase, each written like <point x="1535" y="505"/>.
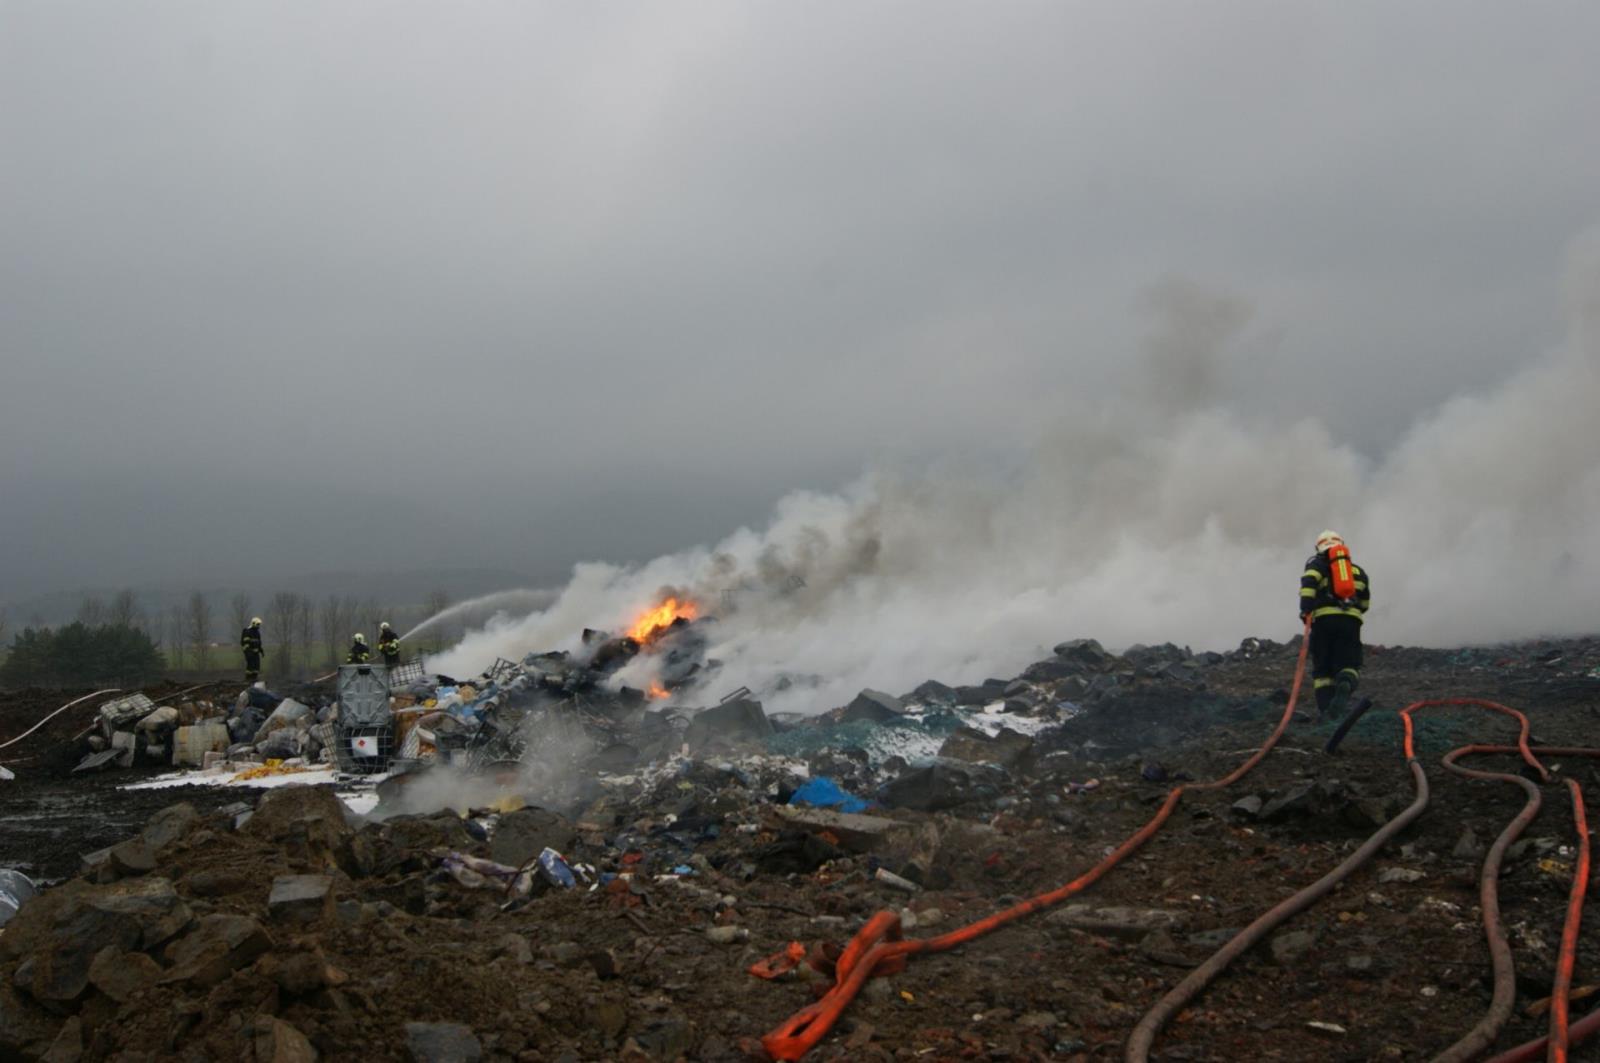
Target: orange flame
<point x="657" y="690"/>
<point x="657" y="619"/>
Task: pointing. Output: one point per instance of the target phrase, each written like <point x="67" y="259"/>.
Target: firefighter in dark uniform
<point x="250" y="643"/>
<point x="1335" y="594"/>
<point x="359" y="653"/>
<point x="389" y="646"/>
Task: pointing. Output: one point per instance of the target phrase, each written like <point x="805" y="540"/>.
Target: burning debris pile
<point x="382" y="719"/>
<point x="557" y="867"/>
<point x="528" y="798"/>
<point x="564" y="716"/>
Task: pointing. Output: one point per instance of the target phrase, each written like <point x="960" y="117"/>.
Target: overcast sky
<point x="294" y="285"/>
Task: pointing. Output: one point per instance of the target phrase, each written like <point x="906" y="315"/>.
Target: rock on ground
<point x="442" y="1042"/>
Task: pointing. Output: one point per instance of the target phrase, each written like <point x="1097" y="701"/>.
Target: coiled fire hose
<point x="1562" y="1036"/>
<point x="1144" y="1034"/>
<point x="879" y="949"/>
<point x="1483" y="1033"/>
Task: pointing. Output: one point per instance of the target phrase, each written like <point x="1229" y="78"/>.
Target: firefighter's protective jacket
<point x="1316" y="591"/>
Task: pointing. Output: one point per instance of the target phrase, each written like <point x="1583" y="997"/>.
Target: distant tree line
<point x="79" y="654"/>
<point x="116" y="638"/>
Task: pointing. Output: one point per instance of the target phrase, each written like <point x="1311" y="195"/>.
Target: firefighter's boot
<point x="1324" y="696"/>
<point x="1343" y="687"/>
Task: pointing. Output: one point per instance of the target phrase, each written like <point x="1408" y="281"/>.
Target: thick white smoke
<point x="547" y="775"/>
<point x="1169" y="516"/>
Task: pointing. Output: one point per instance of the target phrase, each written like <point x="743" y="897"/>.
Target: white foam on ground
<point x="994" y="718"/>
<point x="308" y="777"/>
<point x="360" y="801"/>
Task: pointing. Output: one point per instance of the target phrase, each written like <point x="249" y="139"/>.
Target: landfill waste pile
<point x="499" y="717"/>
<point x="200" y="732"/>
<point x="549" y="866"/>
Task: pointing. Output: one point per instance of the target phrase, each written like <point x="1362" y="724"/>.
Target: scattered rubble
<point x="551" y="867"/>
<point x="15" y="887"/>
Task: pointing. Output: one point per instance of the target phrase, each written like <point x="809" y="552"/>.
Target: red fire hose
<point x="879" y="949"/>
<point x="1492" y="706"/>
<point x="1567" y="955"/>
<point x="1567" y="958"/>
<point x="1144" y="1033"/>
<point x="1482" y="1035"/>
<point x="1529" y="1051"/>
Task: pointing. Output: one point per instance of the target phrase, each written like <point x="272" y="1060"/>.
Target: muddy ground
<point x="51" y="817"/>
<point x="1394" y="969"/>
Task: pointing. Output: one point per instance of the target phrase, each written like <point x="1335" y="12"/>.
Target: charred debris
<point x="555" y="867"/>
<point x="555" y="723"/>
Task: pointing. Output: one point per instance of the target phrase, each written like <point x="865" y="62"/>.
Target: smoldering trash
<point x="540" y="862"/>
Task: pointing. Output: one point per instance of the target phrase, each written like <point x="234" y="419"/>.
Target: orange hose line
<point x="869" y="952"/>
<point x="1283" y="723"/>
<point x="1529" y="1051"/>
<point x="1144" y="1032"/>
<point x="1589" y="1025"/>
<point x="1567" y="957"/>
<point x="1493" y="706"/>
<point x="1478" y="1039"/>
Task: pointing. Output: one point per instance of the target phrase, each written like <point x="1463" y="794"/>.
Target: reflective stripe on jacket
<point x="1316" y="591"/>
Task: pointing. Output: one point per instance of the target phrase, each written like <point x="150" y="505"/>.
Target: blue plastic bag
<point x="823" y="792"/>
<point x="555" y="870"/>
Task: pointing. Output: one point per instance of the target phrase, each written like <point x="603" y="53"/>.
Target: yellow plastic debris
<point x="262" y="771"/>
<point x="509" y="803"/>
<point x="905" y="995"/>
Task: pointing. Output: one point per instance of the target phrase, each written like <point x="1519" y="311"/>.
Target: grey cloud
<point x="540" y="283"/>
